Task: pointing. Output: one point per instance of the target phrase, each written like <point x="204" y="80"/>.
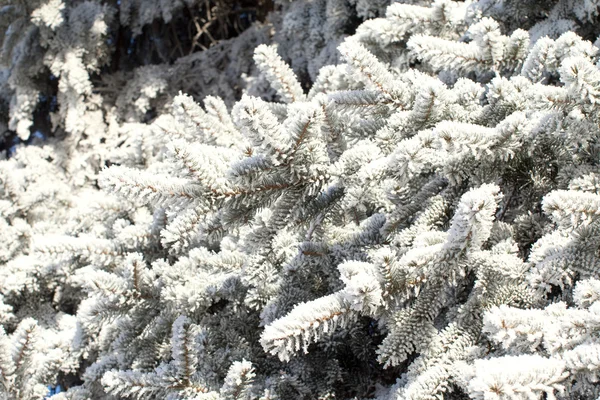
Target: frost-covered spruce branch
<point x="430" y="270"/>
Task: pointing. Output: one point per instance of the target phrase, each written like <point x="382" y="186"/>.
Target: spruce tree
<point x="409" y="210"/>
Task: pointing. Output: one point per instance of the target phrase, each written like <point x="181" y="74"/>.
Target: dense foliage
<point x="344" y="199"/>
